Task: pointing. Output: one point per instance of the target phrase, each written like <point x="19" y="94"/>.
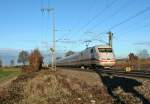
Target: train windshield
<point x="102" y="50"/>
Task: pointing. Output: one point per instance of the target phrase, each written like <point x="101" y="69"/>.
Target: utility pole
<point x="53" y="49"/>
<point x="110" y="38"/>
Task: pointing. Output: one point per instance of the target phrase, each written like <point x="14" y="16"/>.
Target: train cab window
<point x="108" y="50"/>
<point x="81" y="54"/>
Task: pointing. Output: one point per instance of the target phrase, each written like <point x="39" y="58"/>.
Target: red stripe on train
<point x="106" y="60"/>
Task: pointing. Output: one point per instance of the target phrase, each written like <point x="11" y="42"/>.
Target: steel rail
<point x="127" y="74"/>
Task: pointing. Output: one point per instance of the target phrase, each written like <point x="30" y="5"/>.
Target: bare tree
<point x="12" y="62"/>
<point x="133" y="60"/>
<point x="1" y="63"/>
<point x="69" y="53"/>
<point x="143" y="54"/>
<point x="23" y="57"/>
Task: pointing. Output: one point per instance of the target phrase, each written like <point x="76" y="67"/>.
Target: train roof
<point x="103" y="46"/>
<point x="66" y="57"/>
<point x="100" y="46"/>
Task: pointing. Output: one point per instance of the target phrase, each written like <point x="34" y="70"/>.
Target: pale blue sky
<point x="23" y="26"/>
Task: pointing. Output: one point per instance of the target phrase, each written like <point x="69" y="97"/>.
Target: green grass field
<point x="6" y="73"/>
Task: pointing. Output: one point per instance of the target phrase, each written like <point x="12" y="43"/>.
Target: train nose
<point x="107" y="62"/>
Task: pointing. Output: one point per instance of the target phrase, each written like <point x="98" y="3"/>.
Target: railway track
<point x="137" y="74"/>
<point x="121" y="72"/>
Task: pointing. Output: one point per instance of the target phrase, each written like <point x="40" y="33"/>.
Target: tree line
<point x="26" y="58"/>
<point x="29" y="61"/>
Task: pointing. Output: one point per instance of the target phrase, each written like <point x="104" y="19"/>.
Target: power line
<point x="112" y="15"/>
<point x="130" y="18"/>
<point x="96" y="34"/>
<point x="98" y="14"/>
<point x="138" y="28"/>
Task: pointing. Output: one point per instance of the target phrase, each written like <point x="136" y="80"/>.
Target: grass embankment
<point x="6" y="73"/>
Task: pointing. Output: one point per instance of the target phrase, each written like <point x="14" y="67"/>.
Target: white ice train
<point x="97" y="56"/>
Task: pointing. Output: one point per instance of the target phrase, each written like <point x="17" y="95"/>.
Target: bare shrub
<point x="35" y="60"/>
<point x="27" y="69"/>
<point x="133" y="60"/>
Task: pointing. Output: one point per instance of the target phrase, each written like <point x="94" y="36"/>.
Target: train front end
<point x="106" y="57"/>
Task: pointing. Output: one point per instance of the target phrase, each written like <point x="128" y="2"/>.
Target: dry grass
<point x="121" y="64"/>
<point x="47" y="87"/>
<point x="142" y="64"/>
<point x="65" y="87"/>
<point x="91" y="78"/>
